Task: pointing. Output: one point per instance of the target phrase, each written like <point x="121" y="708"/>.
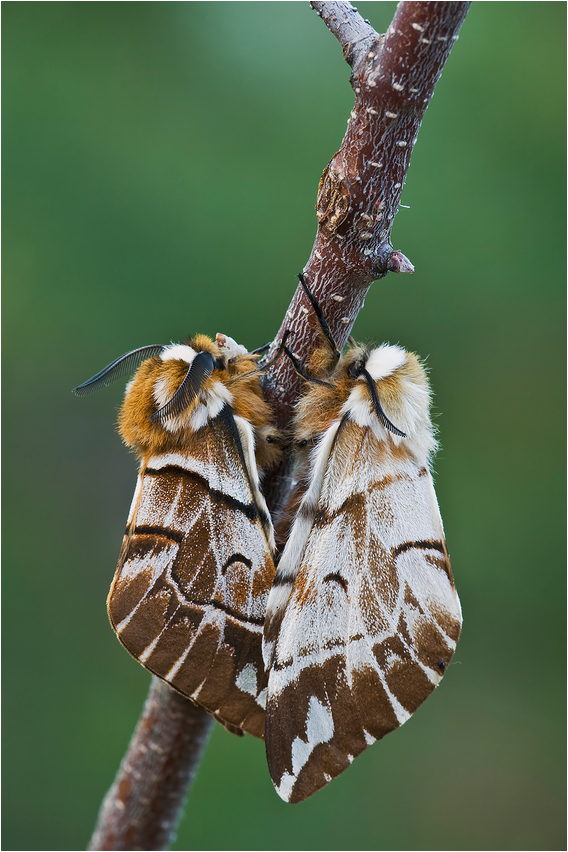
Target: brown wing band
<point x="248" y="509"/>
<point x="418" y="545"/>
<point x="160" y="532"/>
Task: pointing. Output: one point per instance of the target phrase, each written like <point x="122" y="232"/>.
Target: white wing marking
<point x="319" y="729"/>
<point x="247" y="679"/>
<point x="247" y="441"/>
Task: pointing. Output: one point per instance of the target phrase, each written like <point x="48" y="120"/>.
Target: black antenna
<point x="199" y="371"/>
<point x="377" y="406"/>
<point x="278" y="353"/>
<point x="123" y="366"/>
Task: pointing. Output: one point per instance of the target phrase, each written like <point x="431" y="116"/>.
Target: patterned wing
<point x="190" y="590"/>
<point x="372" y="620"/>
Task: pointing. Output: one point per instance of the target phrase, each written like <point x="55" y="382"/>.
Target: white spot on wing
<point x="402" y="715"/>
<point x="319" y="729"/>
<point x="320" y="723"/>
<point x="286" y="786"/>
<point x="246" y="680"/>
<point x="300" y="754"/>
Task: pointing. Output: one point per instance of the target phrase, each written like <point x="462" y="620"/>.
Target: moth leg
<point x="301" y="372"/>
<point x="278" y="353"/>
<point x="321" y="319"/>
<point x="263" y="367"/>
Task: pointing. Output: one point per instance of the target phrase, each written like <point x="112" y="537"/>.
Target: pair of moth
<point x="328" y="646"/>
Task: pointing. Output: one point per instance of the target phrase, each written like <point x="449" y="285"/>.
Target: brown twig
<point x="142" y="808"/>
<point x="393" y="78"/>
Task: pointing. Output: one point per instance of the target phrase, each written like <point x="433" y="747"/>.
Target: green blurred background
<point x="161" y="162"/>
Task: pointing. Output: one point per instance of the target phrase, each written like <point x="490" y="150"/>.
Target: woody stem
<point x="393" y="78"/>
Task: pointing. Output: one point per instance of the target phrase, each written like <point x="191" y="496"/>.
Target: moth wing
<point x="372" y="619"/>
<point x="191" y="585"/>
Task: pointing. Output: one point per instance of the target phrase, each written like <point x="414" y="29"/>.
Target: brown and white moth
<point x="189" y="595"/>
<point x="363" y="616"/>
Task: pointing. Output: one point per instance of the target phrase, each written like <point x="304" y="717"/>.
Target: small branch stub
<point x="398" y="262"/>
<point x="354" y="34"/>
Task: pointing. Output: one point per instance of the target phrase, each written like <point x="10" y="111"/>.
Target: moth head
<point x="354" y="361"/>
<point x="174" y="392"/>
<point x="368" y="369"/>
<point x="236" y="360"/>
<point x="270" y="444"/>
<point x="392" y="394"/>
<point x="178" y="388"/>
<point x="229" y="347"/>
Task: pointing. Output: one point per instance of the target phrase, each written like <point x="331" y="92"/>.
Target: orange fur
<point x="239" y="375"/>
<point x="321" y="405"/>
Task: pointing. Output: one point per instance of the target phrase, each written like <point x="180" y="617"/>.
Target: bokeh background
<point x="161" y="162"/>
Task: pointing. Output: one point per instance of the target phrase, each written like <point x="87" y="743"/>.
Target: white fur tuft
<point x="178" y="352"/>
<point x="385" y="360"/>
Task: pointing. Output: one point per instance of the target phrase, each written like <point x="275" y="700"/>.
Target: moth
<point x="363" y="616"/>
<point x="189" y="595"/>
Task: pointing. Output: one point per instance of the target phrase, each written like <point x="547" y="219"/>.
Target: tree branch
<point x="359" y="193"/>
<point x="142" y="808"/>
<point x="393" y="79"/>
<point x="348" y="27"/>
